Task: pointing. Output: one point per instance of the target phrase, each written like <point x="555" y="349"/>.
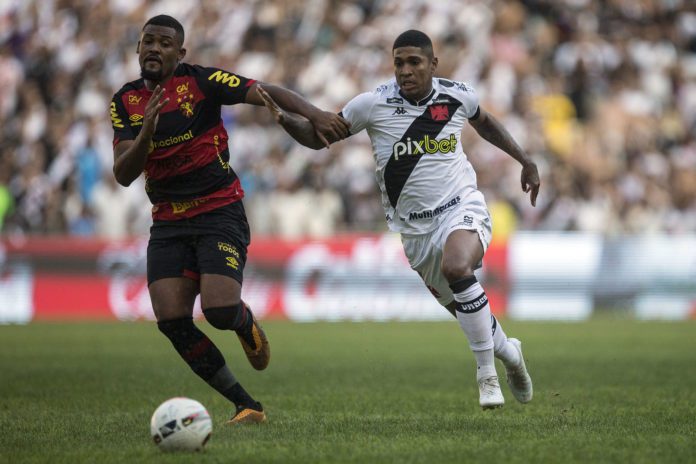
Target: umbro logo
<point x="400" y="111"/>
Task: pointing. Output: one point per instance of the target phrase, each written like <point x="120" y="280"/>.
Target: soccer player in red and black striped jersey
<point x="167" y="125"/>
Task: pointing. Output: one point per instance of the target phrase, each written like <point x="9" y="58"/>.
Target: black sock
<point x="240" y="397"/>
<point x="245" y="330"/>
<point x="247" y="322"/>
<point x="204" y="358"/>
<point x="199" y="352"/>
<point x="236" y="317"/>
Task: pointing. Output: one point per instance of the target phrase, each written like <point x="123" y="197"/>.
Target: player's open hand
<point x="330" y="127"/>
<point x="152" y="110"/>
<point x="276" y="111"/>
<point x="530" y="181"/>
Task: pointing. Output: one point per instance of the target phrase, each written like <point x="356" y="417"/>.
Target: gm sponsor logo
<point x="431" y="213"/>
<point x="173" y="140"/>
<point x="225" y="78"/>
<point x="115" y="120"/>
<point x="426" y="145"/>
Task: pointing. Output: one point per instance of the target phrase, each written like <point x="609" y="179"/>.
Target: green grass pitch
<point x="605" y="391"/>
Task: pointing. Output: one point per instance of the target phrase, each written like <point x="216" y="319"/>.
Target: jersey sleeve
<point x="469" y="98"/>
<point x="119" y="120"/>
<point x="225" y="87"/>
<point x="357" y="111"/>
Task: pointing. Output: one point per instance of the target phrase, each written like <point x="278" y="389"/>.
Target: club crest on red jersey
<point x="185" y="101"/>
<point x="186" y="109"/>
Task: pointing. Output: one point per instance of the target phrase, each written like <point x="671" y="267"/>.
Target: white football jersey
<point x="422" y="170"/>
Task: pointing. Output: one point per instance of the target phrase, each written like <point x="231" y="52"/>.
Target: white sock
<point x="485" y="364"/>
<point x="504" y="350"/>
<point x="474" y="316"/>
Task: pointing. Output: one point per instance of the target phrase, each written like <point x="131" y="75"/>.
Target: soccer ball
<point x="181" y="424"/>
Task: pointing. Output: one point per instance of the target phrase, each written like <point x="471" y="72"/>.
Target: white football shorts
<point x="424" y="251"/>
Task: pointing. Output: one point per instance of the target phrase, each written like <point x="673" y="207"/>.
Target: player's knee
<point x="225" y="317"/>
<point x="175" y="328"/>
<point x="463" y="285"/>
<point x="455" y="270"/>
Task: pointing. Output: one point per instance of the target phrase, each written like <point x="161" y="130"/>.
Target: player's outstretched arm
<point x="328" y="126"/>
<point x="490" y="129"/>
<point x="130" y="156"/>
<point x="297" y="126"/>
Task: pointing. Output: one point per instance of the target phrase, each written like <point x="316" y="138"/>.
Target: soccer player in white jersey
<point x="430" y="196"/>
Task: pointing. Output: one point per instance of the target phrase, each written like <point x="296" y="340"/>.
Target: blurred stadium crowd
<point x="601" y="92"/>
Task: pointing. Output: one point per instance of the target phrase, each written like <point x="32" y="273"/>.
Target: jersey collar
<point x="420" y="102"/>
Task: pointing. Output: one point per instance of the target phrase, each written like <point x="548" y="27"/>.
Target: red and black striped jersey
<point x="187" y="171"/>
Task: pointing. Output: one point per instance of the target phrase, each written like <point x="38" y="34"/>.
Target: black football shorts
<point x="214" y="242"/>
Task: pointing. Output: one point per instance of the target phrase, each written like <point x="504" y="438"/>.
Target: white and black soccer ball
<point x="181" y="424"/>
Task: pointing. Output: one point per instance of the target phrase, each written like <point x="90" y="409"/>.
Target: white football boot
<point x="518" y="378"/>
<point x="490" y="395"/>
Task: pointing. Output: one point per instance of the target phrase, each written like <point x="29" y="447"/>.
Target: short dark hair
<point x="167" y="21"/>
<point x="414" y="38"/>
